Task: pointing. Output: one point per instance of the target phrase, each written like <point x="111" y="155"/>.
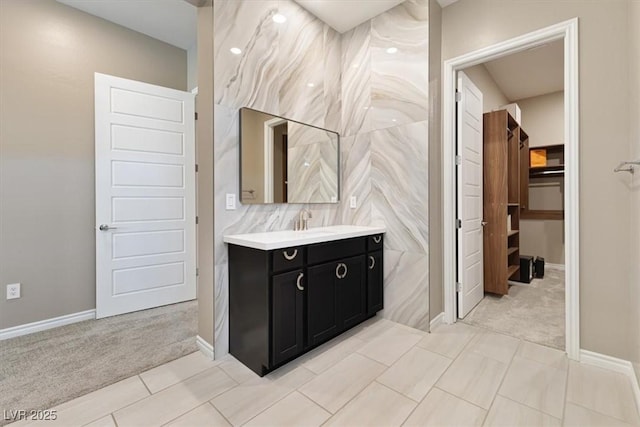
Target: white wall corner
<point x="613" y="364"/>
<point x="436" y="321"/>
<point x="205" y="347"/>
<point x="43" y="325"/>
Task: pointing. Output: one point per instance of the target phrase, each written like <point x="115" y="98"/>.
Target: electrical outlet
<point x="13" y="291"/>
<point x="353" y="202"/>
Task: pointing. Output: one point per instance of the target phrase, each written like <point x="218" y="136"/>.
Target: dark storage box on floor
<point x="539" y="267"/>
<point x="526" y="269"/>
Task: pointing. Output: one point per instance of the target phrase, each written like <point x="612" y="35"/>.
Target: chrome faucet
<point x="302" y="223"/>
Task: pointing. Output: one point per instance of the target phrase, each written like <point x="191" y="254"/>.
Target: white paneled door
<point x="145" y="196"/>
<point x="470" y="208"/>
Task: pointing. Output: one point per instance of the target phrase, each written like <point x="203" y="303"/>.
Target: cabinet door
<point x="287" y="305"/>
<point x="352" y="292"/>
<point x="375" y="281"/>
<point x="322" y="310"/>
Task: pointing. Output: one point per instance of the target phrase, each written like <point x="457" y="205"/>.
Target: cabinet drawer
<point x="329" y="251"/>
<point x="287" y="259"/>
<point x="374" y="243"/>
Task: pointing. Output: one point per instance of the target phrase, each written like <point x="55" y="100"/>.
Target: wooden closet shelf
<point x="512" y="205"/>
<point x="511" y="250"/>
<point x="512" y="270"/>
<point x="512" y="232"/>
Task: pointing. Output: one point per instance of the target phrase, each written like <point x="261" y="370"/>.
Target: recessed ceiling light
<point x="235" y="50"/>
<point x="311" y="84"/>
<point x="394" y="120"/>
<point x="279" y="18"/>
<point x="355" y="65"/>
<point x="392" y="50"/>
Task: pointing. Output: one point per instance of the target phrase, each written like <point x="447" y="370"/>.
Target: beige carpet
<point x="44" y="369"/>
<point x="533" y="312"/>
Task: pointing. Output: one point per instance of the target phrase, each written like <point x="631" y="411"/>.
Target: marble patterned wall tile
<point x="399" y="179"/>
<point x="356" y="80"/>
<point x="313" y="173"/>
<point x="250" y="79"/>
<point x="400" y="64"/>
<point x="332" y="79"/>
<point x="406" y="288"/>
<point x="300" y="65"/>
<point x="356" y="179"/>
<point x="221" y="304"/>
<point x="386" y="169"/>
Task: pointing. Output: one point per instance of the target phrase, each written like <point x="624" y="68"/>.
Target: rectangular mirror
<point x="284" y="161"/>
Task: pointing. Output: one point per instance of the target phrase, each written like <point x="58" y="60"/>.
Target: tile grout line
<point x="530" y="407"/>
<point x="146" y="386"/>
<point x="351" y="399"/>
<point x="526" y="404"/>
<point x="277" y="401"/>
<point x="209" y="402"/>
<point x="600" y="413"/>
<point x="369" y="384"/>
<point x="402" y="395"/>
<point x="268" y="407"/>
<point x="122" y="407"/>
<point x="182" y="380"/>
<point x="506" y="372"/>
<point x="566" y="394"/>
<point x="184" y="413"/>
<point x="147" y="397"/>
<point x="452" y="361"/>
<point x="181" y="415"/>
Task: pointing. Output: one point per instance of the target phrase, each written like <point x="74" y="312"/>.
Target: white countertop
<point x="287" y="238"/>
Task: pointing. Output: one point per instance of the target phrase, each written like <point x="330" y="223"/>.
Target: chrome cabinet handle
<point x="377" y="239"/>
<point x="484" y="223"/>
<point x="105" y="227"/>
<point x="298" y="284"/>
<point x="290" y="257"/>
<point x="372" y="262"/>
<point x="343" y="275"/>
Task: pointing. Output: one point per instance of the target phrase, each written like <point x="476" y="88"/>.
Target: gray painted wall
<point x="49" y="53"/>
<point x="606" y="310"/>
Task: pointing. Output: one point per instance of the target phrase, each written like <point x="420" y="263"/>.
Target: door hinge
<point x="197" y="219"/>
<point x="458" y="160"/>
<point x="458" y="224"/>
<point x="196" y="167"/>
<point x="197" y="272"/>
<point x="196" y="115"/>
<point x="458" y="287"/>
<point x="458" y="96"/>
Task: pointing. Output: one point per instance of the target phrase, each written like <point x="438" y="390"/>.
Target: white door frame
<point x="268" y="157"/>
<point x="567" y="31"/>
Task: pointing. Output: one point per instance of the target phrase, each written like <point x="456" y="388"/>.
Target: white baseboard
<point x="43" y="325"/>
<point x="614" y="364"/>
<point x="438" y="320"/>
<point x="205" y="347"/>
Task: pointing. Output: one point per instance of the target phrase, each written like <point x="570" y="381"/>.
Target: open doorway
<point x="511" y="147"/>
<point x="498" y="202"/>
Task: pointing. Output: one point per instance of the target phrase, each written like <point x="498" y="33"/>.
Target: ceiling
<point x="174" y="21"/>
<point x="343" y="15"/>
<point x="171" y="21"/>
<point x="533" y="72"/>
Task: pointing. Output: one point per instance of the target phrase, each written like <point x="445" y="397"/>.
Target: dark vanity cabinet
<point x="283" y="302"/>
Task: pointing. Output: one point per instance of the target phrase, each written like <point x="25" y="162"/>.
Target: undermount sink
<point x="288" y="238"/>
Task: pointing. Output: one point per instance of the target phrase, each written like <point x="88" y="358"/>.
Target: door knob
<point x="105" y="227"/>
<point x="484" y="223"/>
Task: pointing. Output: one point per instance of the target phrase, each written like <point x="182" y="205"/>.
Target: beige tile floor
<point x="379" y="373"/>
